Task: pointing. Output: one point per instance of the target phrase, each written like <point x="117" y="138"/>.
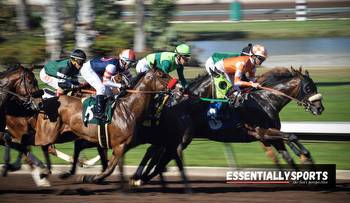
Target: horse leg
<point x="17" y="165"/>
<point x="7" y="156"/>
<point x="271" y="154"/>
<point x="103" y="157"/>
<point x="162" y="161"/>
<point x="179" y="164"/>
<point x="118" y="152"/>
<point x="135" y="178"/>
<point x="77" y="149"/>
<point x="280" y="147"/>
<point x="156" y="162"/>
<point x="299" y="149"/>
<point x="121" y="172"/>
<point x="293" y="142"/>
<point x="45" y="150"/>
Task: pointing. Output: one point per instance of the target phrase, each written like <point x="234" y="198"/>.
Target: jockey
<point x="98" y="72"/>
<point x="234" y="67"/>
<point x="167" y="61"/>
<point x="217" y="56"/>
<point x="62" y="74"/>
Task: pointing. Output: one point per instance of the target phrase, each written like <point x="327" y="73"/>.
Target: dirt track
<point x="20" y="188"/>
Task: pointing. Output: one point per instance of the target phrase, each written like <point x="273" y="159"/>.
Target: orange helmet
<point x="128" y="56"/>
<point x="259" y="50"/>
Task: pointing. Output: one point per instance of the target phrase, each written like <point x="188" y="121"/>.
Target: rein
<point x="130" y="91"/>
<point x="14" y="94"/>
<point x="282" y="94"/>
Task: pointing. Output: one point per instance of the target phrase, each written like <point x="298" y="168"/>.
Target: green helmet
<point x="183" y="49"/>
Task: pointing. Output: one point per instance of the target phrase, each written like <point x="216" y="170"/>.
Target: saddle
<point x="88" y="113"/>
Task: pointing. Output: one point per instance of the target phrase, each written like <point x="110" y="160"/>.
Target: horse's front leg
<point x="271" y="154"/>
<point x="293" y="142"/>
<point x="118" y="152"/>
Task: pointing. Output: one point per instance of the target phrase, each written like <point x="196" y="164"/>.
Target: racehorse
<point x="18" y="86"/>
<point x="128" y="111"/>
<point x="259" y="117"/>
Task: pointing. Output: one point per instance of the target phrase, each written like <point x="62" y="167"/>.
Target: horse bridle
<point x="305" y="96"/>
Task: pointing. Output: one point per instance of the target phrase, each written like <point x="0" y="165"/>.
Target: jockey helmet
<point x="128" y="56"/>
<point x="78" y="54"/>
<point x="259" y="50"/>
<point x="183" y="50"/>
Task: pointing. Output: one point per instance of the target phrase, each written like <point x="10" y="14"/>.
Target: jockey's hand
<point x="84" y="85"/>
<point x="255" y="85"/>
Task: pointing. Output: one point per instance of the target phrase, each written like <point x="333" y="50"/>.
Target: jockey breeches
<point x="48" y="79"/>
<point x="94" y="80"/>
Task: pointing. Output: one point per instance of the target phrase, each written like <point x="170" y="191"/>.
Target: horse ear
<point x="307" y="73"/>
<point x="300" y="69"/>
<point x="154" y="65"/>
<point x="293" y="70"/>
<point x="31" y="68"/>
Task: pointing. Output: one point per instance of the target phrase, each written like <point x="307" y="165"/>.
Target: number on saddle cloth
<point x="88" y="110"/>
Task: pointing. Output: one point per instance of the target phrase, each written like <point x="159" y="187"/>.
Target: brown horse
<point x="128" y="111"/>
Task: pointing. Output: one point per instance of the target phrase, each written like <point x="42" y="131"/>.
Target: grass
<point x="270" y="30"/>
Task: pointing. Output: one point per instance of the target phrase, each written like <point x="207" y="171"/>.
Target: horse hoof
<point x="135" y="183"/>
<point x="4" y="172"/>
<point x="65" y="175"/>
<point x="88" y="179"/>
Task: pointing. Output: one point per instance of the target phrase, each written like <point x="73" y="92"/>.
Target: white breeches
<point x="94" y="80"/>
<point x="49" y="80"/>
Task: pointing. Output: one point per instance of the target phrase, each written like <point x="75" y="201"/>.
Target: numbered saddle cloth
<point x="88" y="111"/>
<point x="222" y="85"/>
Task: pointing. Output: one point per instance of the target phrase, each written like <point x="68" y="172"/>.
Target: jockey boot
<point x="100" y="108"/>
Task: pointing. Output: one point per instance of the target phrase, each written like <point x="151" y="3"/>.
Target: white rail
<point x="317" y="127"/>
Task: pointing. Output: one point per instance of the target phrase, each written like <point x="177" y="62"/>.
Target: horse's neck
<point x="137" y="103"/>
<point x="278" y="102"/>
<point x="204" y="89"/>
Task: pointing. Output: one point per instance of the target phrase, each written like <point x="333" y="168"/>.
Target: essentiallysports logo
<point x="317" y="175"/>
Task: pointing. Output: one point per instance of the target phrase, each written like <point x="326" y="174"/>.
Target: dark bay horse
<point x="17" y="86"/>
<point x="259" y="116"/>
<point x="128" y="111"/>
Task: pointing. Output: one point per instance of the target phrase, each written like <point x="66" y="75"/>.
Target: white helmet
<point x="259" y="50"/>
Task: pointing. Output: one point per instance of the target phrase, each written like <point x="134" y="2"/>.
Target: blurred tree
<point x="139" y="35"/>
<point x="53" y="25"/>
<point x="84" y="35"/>
<point x="22" y="15"/>
<point x="161" y="13"/>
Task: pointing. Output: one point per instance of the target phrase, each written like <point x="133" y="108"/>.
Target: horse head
<point x="154" y="80"/>
<point x="20" y="80"/>
<point x="295" y="84"/>
<point x="311" y="99"/>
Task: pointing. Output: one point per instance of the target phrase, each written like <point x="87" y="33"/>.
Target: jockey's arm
<point x="238" y="82"/>
<point x="252" y="75"/>
<point x="180" y="74"/>
<point x="109" y="72"/>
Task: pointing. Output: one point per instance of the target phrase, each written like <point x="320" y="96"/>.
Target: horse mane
<point x="277" y="75"/>
<point x="198" y="80"/>
<point x="10" y="70"/>
<point x="136" y="79"/>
